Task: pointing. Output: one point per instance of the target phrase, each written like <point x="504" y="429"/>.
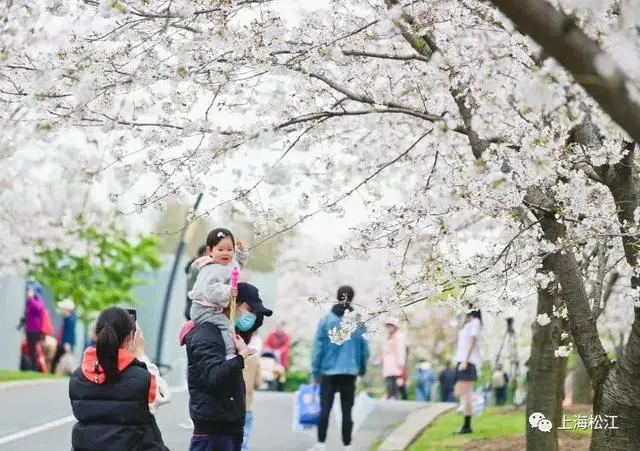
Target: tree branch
<point x="388" y="56"/>
<point x="348" y="193"/>
<point x="581" y="319"/>
<point x="561" y="38"/>
<point x="596" y="297"/>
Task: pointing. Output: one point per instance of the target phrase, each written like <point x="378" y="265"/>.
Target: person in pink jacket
<point x="394" y="360"/>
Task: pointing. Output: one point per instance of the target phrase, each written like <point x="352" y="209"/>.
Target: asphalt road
<point x="38" y="417"/>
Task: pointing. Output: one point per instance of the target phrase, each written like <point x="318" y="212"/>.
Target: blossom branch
<point x="348" y="193"/>
<point x="388" y="56"/>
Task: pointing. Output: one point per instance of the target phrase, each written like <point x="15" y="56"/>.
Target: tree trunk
<point x="619" y="397"/>
<point x="546" y="375"/>
<point x="582" y="389"/>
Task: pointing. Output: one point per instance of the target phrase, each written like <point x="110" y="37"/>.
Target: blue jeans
<point x="423" y="392"/>
<point x="215" y="443"/>
<point x="248" y="426"/>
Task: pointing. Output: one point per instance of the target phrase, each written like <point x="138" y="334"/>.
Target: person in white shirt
<point x="468" y="360"/>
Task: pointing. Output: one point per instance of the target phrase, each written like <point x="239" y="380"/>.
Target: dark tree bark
<point x="545" y="391"/>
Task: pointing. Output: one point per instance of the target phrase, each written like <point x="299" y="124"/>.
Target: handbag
<point x="308" y="400"/>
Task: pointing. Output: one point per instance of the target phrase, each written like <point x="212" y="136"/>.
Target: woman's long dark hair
<point x="114" y="325"/>
<point x="475" y="314"/>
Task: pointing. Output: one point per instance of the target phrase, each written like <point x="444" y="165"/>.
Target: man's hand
<point x="234" y="292"/>
<point x="241" y="346"/>
<point x="67" y="348"/>
<point x="463" y="366"/>
<point x="241" y="246"/>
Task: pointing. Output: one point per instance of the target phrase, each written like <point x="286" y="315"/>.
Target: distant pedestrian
<point x="66" y="333"/>
<point x="424" y="381"/>
<point x="192" y="275"/>
<point x="280" y="342"/>
<point x="336" y="367"/>
<point x="499" y="383"/>
<point x="447" y="380"/>
<point x="34" y="321"/>
<point x="116" y="391"/>
<point x="394" y="360"/>
<point x="468" y="358"/>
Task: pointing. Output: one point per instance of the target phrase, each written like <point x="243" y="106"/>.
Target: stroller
<point x="273" y="374"/>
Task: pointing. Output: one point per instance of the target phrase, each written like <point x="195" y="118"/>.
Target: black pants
<point x="393" y="389"/>
<point x="32" y="341"/>
<point x="501" y="396"/>
<point x="345" y="385"/>
<point x="215" y="443"/>
<point x="391" y="384"/>
<point x="56" y="358"/>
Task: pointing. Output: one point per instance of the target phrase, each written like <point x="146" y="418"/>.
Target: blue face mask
<point x="245" y="321"/>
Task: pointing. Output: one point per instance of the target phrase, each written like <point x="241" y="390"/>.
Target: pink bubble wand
<point x="235" y="276"/>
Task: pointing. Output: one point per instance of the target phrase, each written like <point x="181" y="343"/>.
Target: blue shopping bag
<point x="308" y="402"/>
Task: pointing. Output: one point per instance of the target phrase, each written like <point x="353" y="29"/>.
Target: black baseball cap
<point x="249" y="294"/>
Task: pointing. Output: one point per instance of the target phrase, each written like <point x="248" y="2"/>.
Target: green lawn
<point x="10" y="376"/>
<point x="494" y="422"/>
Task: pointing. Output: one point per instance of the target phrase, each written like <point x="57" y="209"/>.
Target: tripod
<point x="512" y="349"/>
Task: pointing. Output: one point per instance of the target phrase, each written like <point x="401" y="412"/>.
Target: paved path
<point x="39" y="417"/>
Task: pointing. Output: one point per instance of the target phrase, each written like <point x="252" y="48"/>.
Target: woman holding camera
<point x="116" y="391"/>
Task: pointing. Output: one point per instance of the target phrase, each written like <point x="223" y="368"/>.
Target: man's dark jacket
<point x="216" y="385"/>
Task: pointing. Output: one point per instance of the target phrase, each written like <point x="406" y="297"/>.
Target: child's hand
<point x="234" y="292"/>
<point x="241" y="246"/>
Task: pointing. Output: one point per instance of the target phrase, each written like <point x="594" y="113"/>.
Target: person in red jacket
<point x="279" y="341"/>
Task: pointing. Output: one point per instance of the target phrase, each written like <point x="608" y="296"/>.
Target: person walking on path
<point x="280" y="342"/>
<point x="216" y="384"/>
<point x="499" y="383"/>
<point x="192" y="275"/>
<point x="116" y="392"/>
<point x="394" y="359"/>
<point x="468" y="360"/>
<point x="66" y="333"/>
<point x="34" y="321"/>
<point x="424" y="381"/>
<point x="336" y="367"/>
<point x="447" y="380"/>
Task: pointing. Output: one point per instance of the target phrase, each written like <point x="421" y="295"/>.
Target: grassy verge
<point x="11" y="376"/>
<point x="495" y="423"/>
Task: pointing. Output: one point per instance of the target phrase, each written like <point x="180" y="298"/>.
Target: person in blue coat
<point x="424" y="381"/>
<point x="336" y="367"/>
<point x="66" y="333"/>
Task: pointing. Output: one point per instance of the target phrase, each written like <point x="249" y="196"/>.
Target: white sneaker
<point x="347" y="448"/>
<point x="318" y="447"/>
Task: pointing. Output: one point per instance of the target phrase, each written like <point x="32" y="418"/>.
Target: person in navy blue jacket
<point x="336" y="367"/>
<point x="66" y="333"/>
